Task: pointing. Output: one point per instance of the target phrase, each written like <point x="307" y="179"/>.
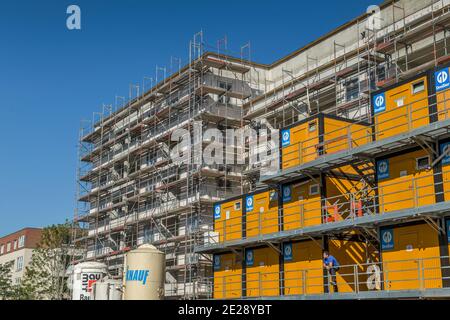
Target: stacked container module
<point x="410" y="255"/>
<point x="319" y="135"/>
<point x="411" y="252"/>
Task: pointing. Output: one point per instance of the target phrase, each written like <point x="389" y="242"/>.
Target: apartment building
<point x="17" y="248"/>
<point x="132" y="192"/>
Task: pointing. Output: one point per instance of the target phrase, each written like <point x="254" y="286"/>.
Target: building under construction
<point x="360" y="166"/>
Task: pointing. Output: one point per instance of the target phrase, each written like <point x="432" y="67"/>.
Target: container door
<point x="302" y="207"/>
<point x="263" y="275"/>
<point x="233" y="278"/>
<point x="232" y="212"/>
<point x="413" y="263"/>
<point x="304" y="273"/>
<point x="405" y="273"/>
<point x="269" y="273"/>
<point x="442" y="82"/>
<point x="263" y="218"/>
<point x="406" y="109"/>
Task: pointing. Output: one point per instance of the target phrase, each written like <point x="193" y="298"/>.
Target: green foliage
<point x="6" y="288"/>
<point x="45" y="275"/>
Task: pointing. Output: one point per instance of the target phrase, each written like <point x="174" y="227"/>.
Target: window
<point x="312" y="126"/>
<point x="237" y="206"/>
<point x="418" y="87"/>
<point x="351" y="89"/>
<point x="19" y="263"/>
<point x="21" y="241"/>
<point x="400" y="102"/>
<point x="8" y="247"/>
<point x="2" y="249"/>
<point x="227" y="87"/>
<point x="15" y="244"/>
<point x="422" y="163"/>
<point x="314" y="189"/>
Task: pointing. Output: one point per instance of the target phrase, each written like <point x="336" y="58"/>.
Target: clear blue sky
<point x="51" y="78"/>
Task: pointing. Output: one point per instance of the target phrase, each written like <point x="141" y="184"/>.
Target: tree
<point x="45" y="275"/>
<point x="6" y="288"/>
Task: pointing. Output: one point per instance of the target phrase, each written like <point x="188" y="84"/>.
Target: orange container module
<point x="227" y="276"/>
<point x="410" y="256"/>
<point x="262" y="272"/>
<point x="319" y="135"/>
<point x="261" y="213"/>
<point x="405" y="180"/>
<point x="302" y="268"/>
<point x="441" y="85"/>
<point x="228" y="219"/>
<point x="402" y="107"/>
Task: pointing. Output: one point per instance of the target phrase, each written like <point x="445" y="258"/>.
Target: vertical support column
<point x="280" y="207"/>
<point x="325" y="246"/>
<point x="281" y="267"/>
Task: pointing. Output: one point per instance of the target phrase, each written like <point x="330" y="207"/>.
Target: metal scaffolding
<point x="131" y="191"/>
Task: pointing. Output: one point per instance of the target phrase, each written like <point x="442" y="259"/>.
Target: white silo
<point x="85" y="274"/>
<point x="107" y="289"/>
<point x="144" y="274"/>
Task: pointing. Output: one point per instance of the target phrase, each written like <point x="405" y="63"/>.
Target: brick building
<point x="18" y="247"/>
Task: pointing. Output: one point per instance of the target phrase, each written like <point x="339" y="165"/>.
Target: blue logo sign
<point x="249" y="258"/>
<point x="387" y="239"/>
<point x="287" y="252"/>
<point x="448" y="230"/>
<point x="382" y="169"/>
<point x="379" y="103"/>
<point x="216" y="262"/>
<point x="249" y="203"/>
<point x="442" y="79"/>
<point x="285" y="137"/>
<point x="287" y="193"/>
<point x="444" y="147"/>
<point x="217" y="211"/>
<point x="137" y="275"/>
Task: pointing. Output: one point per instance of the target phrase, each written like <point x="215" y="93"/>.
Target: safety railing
<point x="391" y="195"/>
<point x="386" y="124"/>
<point x="419" y="274"/>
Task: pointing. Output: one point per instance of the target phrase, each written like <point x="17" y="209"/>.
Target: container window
<point x="237" y="206"/>
<point x="418" y="87"/>
<point x="422" y="163"/>
<point x="273" y="195"/>
<point x="400" y="102"/>
<point x="314" y="189"/>
<point x="312" y="126"/>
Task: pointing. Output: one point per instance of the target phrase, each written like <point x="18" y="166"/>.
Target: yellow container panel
<point x="442" y="85"/>
<point x="228" y="220"/>
<point x="301" y="205"/>
<point x="401" y="109"/>
<point x="303" y="272"/>
<point x="403" y="184"/>
<point x="302" y="148"/>
<point x="262" y="272"/>
<point x="262" y="218"/>
<point x="227" y="276"/>
<point x="410" y="258"/>
<point x="443" y="105"/>
<point x="341" y="135"/>
<point x="445" y="170"/>
<point x="353" y="258"/>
